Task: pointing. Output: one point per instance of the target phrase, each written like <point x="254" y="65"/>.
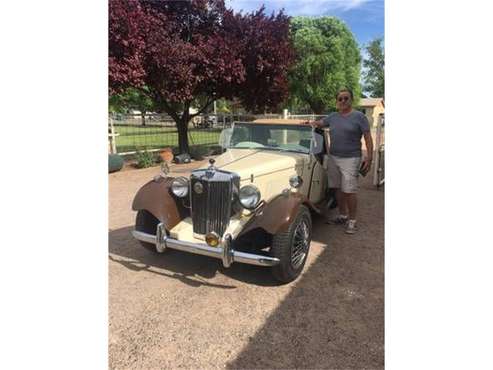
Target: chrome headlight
<point x="295" y="181"/>
<point x="179" y="187"/>
<point x="249" y="196"/>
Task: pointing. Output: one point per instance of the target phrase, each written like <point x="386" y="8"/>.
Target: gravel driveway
<point x="179" y="310"/>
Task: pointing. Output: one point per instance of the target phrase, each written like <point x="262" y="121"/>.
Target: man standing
<point x="346" y="127"/>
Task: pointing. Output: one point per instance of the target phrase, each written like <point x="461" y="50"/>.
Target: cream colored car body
<point x="269" y="171"/>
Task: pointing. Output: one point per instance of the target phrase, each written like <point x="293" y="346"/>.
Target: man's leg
<point x="349" y="186"/>
<point x="352" y="202"/>
<point x="342" y="203"/>
<point x="334" y="179"/>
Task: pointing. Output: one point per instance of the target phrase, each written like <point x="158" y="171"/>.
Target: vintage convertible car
<point x="252" y="204"/>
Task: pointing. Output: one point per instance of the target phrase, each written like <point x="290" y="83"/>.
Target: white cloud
<point x="298" y="7"/>
<point x="351" y="4"/>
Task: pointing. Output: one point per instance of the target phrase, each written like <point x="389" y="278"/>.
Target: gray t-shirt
<point x="346" y="132"/>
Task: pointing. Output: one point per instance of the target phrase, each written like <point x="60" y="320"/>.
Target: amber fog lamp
<point x="212" y="239"/>
<point x="295" y="181"/>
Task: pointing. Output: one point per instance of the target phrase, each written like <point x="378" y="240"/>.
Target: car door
<point x="318" y="182"/>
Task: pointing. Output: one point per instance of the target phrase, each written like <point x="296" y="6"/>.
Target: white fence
<point x="129" y="133"/>
<point x="308" y="117"/>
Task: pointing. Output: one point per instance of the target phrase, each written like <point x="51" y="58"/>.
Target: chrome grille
<point x="211" y="209"/>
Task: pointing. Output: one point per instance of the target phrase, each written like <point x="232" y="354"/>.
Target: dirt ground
<point x="179" y="310"/>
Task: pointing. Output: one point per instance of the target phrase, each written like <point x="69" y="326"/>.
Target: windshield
<point x="271" y="137"/>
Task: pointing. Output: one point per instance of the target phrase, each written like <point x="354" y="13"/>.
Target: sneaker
<point x="337" y="220"/>
<point x="351" y="227"/>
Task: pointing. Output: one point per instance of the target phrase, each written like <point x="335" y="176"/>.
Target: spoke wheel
<point x="292" y="247"/>
<point x="301" y="243"/>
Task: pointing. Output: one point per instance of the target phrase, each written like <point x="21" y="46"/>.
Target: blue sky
<point x="365" y="18"/>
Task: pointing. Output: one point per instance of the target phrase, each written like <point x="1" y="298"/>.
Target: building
<point x="372" y="107"/>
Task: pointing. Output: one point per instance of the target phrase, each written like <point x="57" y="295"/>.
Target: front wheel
<point x="292" y="247"/>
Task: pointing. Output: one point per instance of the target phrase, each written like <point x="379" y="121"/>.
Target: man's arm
<point x="369" y="151"/>
<point x="316" y="124"/>
<point x="321" y="123"/>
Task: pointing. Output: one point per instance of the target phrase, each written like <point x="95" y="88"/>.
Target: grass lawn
<point x="134" y="138"/>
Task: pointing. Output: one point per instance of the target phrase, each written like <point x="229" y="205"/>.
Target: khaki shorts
<point x="343" y="173"/>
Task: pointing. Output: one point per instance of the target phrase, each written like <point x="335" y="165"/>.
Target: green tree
<point x="328" y="58"/>
<point x="132" y="99"/>
<point x="374" y="74"/>
<point x="223" y="106"/>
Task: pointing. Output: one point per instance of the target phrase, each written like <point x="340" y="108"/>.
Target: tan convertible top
<point x="277" y="121"/>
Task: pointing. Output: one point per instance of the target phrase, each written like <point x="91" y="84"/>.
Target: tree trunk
<point x="143" y="116"/>
<point x="182" y="126"/>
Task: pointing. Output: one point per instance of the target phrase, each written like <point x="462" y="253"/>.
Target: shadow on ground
<point x="333" y="318"/>
<point x="191" y="269"/>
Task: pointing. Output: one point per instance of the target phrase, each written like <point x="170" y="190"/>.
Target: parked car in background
<point x="207" y="121"/>
<point x="253" y="204"/>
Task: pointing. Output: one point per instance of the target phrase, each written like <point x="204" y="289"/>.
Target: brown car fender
<point x="156" y="198"/>
<point x="278" y="214"/>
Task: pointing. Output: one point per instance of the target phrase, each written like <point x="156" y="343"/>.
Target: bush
<point x="115" y="163"/>
<point x="145" y="159"/>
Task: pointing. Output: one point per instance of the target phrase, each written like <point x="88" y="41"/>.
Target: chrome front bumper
<point x="224" y="251"/>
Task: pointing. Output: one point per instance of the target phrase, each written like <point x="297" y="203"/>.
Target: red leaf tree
<point x="194" y="52"/>
<point x="126" y="45"/>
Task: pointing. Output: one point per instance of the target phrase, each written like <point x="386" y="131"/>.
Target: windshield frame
<point x="289" y="126"/>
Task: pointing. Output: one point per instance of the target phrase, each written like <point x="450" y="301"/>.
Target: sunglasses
<point x="343" y="98"/>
